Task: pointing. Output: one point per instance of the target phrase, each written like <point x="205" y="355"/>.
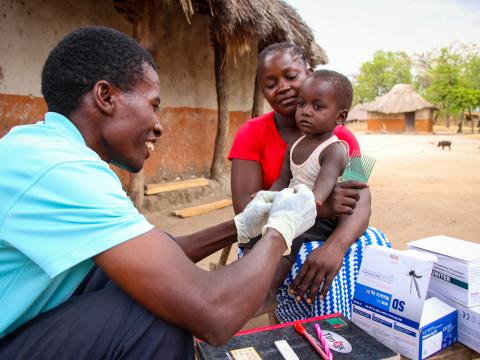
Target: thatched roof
<point x="242" y="23"/>
<point x="402" y="98"/>
<point x="358" y="113"/>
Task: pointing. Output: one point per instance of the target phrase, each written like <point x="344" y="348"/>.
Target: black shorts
<point x="99" y="321"/>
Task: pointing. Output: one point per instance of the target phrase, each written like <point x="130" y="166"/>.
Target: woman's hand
<point x="342" y="200"/>
<point x="321" y="266"/>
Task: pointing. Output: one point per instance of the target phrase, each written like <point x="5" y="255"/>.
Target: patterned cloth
<point x="340" y="295"/>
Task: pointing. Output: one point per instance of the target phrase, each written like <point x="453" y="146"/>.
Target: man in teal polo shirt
<point x="82" y="273"/>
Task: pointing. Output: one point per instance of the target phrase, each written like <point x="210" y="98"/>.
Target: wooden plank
<point x="152" y="189"/>
<point x="202" y="209"/>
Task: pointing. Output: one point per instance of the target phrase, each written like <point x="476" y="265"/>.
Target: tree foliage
<point x="378" y="76"/>
<point x="450" y="78"/>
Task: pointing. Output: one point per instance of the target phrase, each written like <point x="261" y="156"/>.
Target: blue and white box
<point x="390" y="303"/>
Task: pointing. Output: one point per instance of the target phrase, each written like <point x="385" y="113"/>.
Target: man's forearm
<point x="351" y="227"/>
<point x="205" y="242"/>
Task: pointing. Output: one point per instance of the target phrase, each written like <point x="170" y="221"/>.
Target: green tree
<point x="450" y="78"/>
<point x="379" y="75"/>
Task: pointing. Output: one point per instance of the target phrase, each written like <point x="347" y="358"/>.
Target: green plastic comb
<point x="359" y="168"/>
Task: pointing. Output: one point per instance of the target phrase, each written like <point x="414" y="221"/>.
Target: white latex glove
<point x="293" y="212"/>
<point x="250" y="221"/>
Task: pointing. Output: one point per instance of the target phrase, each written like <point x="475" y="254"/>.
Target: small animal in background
<point x="444" y="144"/>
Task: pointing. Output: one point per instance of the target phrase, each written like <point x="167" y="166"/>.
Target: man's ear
<point x="309" y="71"/>
<point x="103" y="96"/>
<point x="342" y="117"/>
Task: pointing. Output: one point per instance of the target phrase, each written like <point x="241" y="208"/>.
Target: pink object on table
<point x="323" y="342"/>
<point x="301" y="330"/>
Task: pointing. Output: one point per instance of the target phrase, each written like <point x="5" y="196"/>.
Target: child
<point x="317" y="158"/>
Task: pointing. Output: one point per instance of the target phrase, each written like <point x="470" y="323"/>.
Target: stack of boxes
<point x="456" y="281"/>
<point x="390" y="303"/>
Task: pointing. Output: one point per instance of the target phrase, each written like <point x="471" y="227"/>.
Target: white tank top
<point x="307" y="172"/>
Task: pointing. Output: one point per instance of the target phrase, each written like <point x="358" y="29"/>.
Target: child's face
<point x="281" y="77"/>
<point x="317" y="110"/>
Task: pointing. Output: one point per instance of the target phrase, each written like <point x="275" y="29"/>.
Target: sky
<point x="350" y="31"/>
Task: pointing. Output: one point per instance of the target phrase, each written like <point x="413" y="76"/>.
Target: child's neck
<point x="320" y="137"/>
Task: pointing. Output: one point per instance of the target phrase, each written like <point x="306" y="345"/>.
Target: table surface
<point x="455" y="352"/>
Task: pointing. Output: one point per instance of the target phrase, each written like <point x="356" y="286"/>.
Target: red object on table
<point x="301" y="330"/>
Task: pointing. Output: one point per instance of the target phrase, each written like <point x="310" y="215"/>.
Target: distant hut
<point x="402" y="109"/>
<point x="358" y="113"/>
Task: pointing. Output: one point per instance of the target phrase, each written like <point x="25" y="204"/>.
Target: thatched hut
<point x="206" y="54"/>
<point x="402" y="109"/>
<point x="234" y="27"/>
<point x="358" y="113"/>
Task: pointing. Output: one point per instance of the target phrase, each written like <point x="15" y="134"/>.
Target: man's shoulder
<point x="42" y="145"/>
<point x="28" y="153"/>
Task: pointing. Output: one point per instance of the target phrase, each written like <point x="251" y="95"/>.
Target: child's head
<point x="281" y="71"/>
<point x="323" y="102"/>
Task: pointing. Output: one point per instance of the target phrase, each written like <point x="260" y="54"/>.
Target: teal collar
<point x="61" y="123"/>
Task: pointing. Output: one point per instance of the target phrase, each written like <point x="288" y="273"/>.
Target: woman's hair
<point x="86" y="56"/>
<point x="340" y="83"/>
<point x="296" y="53"/>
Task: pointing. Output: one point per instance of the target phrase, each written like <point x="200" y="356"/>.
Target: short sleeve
<point x="245" y="146"/>
<point x="343" y="133"/>
<point x="72" y="212"/>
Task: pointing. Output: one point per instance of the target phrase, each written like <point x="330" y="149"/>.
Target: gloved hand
<point x="250" y="221"/>
<point x="293" y="212"/>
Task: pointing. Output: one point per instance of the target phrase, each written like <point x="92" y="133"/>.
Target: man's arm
<point x="153" y="269"/>
<point x="201" y="244"/>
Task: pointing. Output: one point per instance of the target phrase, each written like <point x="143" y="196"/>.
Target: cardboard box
<point x="457" y="271"/>
<point x="468" y="322"/>
<point x="389" y="303"/>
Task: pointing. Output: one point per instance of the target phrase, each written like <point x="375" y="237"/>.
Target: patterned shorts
<point x="340" y="295"/>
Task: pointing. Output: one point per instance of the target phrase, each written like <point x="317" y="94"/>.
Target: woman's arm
<point x="324" y="263"/>
<point x="246" y="180"/>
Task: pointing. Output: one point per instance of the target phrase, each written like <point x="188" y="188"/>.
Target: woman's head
<point x="282" y="69"/>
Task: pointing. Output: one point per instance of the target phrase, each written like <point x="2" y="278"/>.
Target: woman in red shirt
<point x="257" y="154"/>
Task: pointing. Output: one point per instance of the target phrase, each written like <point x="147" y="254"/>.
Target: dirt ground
<point x="418" y="190"/>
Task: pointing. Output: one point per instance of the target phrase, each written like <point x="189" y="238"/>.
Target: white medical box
<point x="456" y="274"/>
<point x="389" y="303"/>
<point x="468" y="322"/>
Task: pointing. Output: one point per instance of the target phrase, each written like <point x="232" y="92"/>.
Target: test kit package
<point x="344" y="339"/>
<point x="457" y="271"/>
<point x="390" y="303"/>
<point x="468" y="321"/>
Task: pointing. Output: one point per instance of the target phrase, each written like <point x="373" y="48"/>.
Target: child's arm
<point x="285" y="174"/>
<point x="333" y="161"/>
